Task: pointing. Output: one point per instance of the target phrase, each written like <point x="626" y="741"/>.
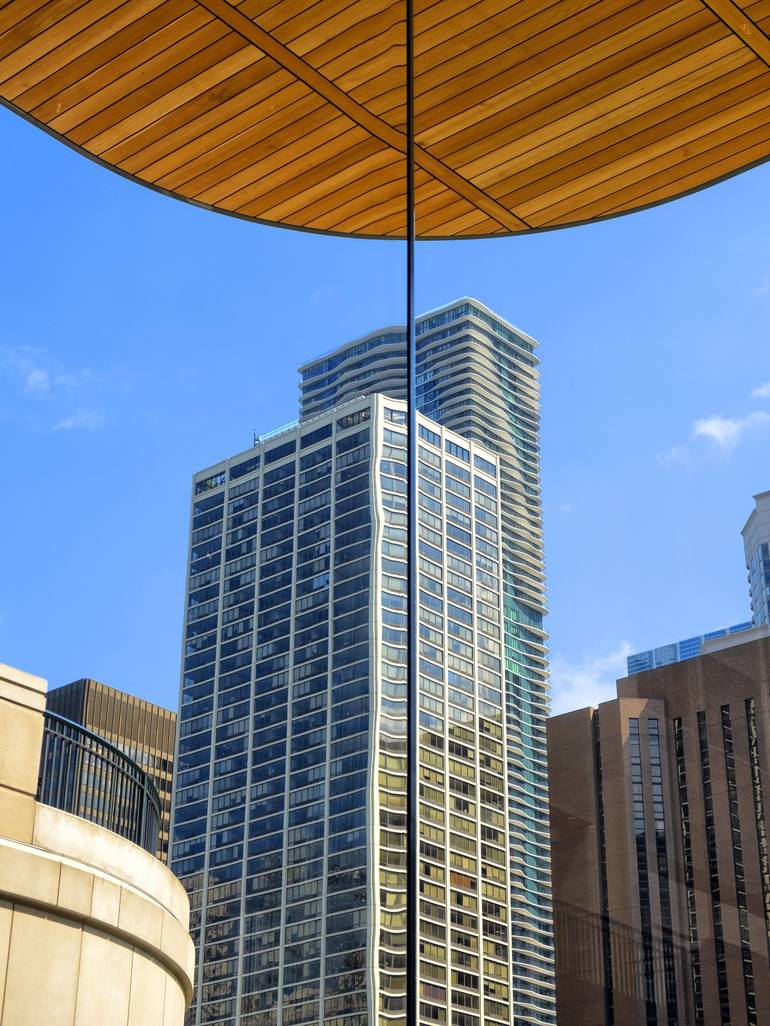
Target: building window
<point x="656" y="775"/>
<point x="642" y="871"/>
<point x="711" y="845"/>
<point x="740" y="876"/>
<point x="689" y="878"/>
<point x="759" y="812"/>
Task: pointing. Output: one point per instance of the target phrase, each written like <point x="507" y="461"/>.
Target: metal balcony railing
<point x="83" y="774"/>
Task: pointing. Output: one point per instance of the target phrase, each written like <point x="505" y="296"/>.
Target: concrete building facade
<point x="144" y="731"/>
<point x="660" y="850"/>
<point x="93" y="930"/>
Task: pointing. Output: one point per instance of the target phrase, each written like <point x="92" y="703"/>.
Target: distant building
<point x="661" y="868"/>
<point x="689" y="648"/>
<point x="144" y="731"/>
<point x="756" y="545"/>
<point x="93" y="929"/>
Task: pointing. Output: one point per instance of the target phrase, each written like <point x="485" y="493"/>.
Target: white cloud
<point x="761" y="392"/>
<point x="80" y="420"/>
<point x="763" y="289"/>
<point x="565" y="507"/>
<point x="37" y="379"/>
<point x="589" y="682"/>
<point x="676" y="456"/>
<point x="727" y="432"/>
<point x="37" y="382"/>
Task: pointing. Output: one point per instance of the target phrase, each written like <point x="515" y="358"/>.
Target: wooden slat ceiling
<point x="530" y="114"/>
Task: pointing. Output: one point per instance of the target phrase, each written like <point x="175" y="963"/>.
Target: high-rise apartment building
<point x="144" y="731"/>
<point x="477" y="375"/>
<point x="756" y="545"/>
<point x="661" y="865"/>
<point x="290" y="802"/>
<point x="688" y="648"/>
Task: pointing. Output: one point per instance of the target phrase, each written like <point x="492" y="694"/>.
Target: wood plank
<point x="381" y="217"/>
<point x="368" y="162"/>
<point x="331" y="31"/>
<point x="605" y="147"/>
<point x="377" y="128"/>
<point x="722" y="166"/>
<point x="117" y="77"/>
<point x="289" y="110"/>
<point x="121" y="107"/>
<point x="386" y="197"/>
<point x="717" y="149"/>
<point x="552" y="206"/>
<point x="614" y="108"/>
<point x="543" y="101"/>
<point x="440" y="82"/>
<point x="437" y="29"/>
<point x="34" y="87"/>
<point x="157" y="106"/>
<point x="202" y="122"/>
<point x="282" y="143"/>
<point x="571" y="86"/>
<point x="275" y="170"/>
<point x="174" y="156"/>
<point x="26" y="42"/>
<point x="473" y="220"/>
<point x="742" y="26"/>
<point x="654" y="105"/>
<point x="300" y="178"/>
<point x="617" y="50"/>
<point x="206" y="122"/>
<point x="12" y="13"/>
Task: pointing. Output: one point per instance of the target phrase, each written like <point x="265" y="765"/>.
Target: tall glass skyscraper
<point x="290" y="799"/>
<point x="477" y="374"/>
<point x="290" y="804"/>
<point x="756" y="545"/>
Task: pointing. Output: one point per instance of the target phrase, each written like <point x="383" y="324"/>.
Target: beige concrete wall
<point x="93" y="930"/>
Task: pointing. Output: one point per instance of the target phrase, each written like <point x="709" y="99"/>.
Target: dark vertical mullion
<point x="412" y="844"/>
<point x="606" y="943"/>
<point x="642" y="872"/>
<point x="759" y="813"/>
<point x="738" y="867"/>
<point x="689" y="875"/>
<point x="713" y="867"/>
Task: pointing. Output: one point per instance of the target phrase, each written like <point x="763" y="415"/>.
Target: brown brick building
<point x="659" y="845"/>
<point x="145" y="732"/>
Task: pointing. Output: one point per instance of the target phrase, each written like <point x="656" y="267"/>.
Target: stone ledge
<point x="22" y="688"/>
<point x="101" y="900"/>
<point x="86" y="844"/>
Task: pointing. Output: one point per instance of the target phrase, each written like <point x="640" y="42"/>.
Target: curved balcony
<point x="85" y="775"/>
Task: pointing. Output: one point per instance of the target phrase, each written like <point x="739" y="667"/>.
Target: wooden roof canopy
<point x="529" y="114"/>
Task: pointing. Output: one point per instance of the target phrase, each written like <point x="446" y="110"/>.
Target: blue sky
<point x="142" y="339"/>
